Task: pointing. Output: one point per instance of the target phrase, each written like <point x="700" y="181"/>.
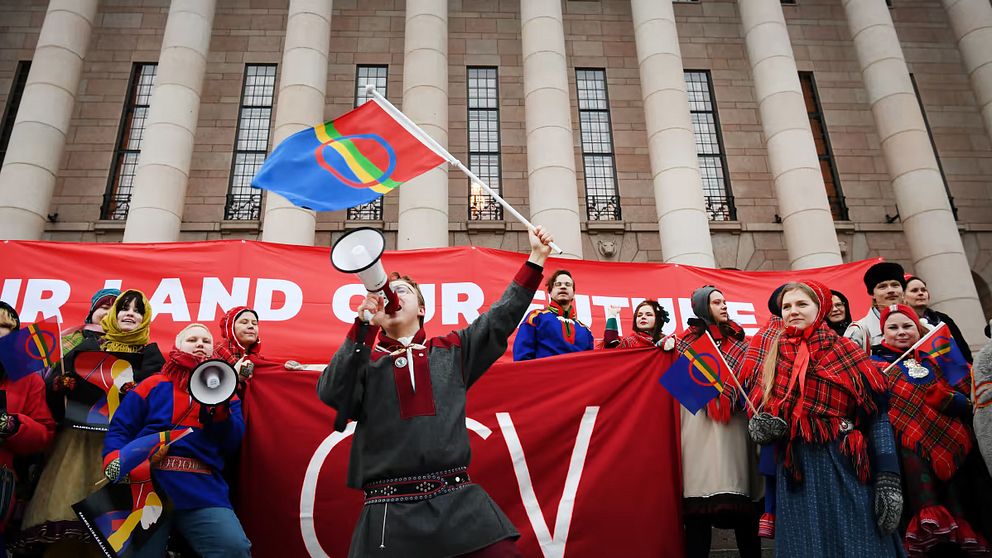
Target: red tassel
<point x="855" y="447"/>
<point x="719" y="410"/>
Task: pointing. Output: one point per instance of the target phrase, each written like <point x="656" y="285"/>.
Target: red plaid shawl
<point x="936" y="437"/>
<point x="835" y="385"/>
<point x="634" y="340"/>
<point x="729" y="337"/>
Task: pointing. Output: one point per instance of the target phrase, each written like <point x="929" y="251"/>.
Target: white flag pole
<point x="740" y="388"/>
<point x="910" y="350"/>
<point x="444" y="154"/>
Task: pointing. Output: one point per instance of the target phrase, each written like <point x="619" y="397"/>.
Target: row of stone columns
<point x="38" y="137"/>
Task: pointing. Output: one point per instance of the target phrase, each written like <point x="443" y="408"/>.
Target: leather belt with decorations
<point x="184" y="465"/>
<point x="412" y="489"/>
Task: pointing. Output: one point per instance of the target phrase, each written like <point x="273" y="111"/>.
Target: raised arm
<point x="485" y="339"/>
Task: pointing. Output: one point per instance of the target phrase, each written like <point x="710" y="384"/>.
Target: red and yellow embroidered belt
<point x="183" y="464"/>
<point x="415" y="488"/>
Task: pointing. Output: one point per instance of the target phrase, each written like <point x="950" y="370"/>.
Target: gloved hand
<point x="9" y="425"/>
<point x="888" y="501"/>
<point x="246" y="370"/>
<point x="65" y="382"/>
<point x="214" y="413"/>
<point x="938" y="397"/>
<point x="113" y="470"/>
<point x="666" y="343"/>
<point x="765" y="428"/>
<point x="127" y="386"/>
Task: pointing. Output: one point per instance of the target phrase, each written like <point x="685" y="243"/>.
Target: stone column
<point x="678" y="192"/>
<point x="159" y="196"/>
<point x="972" y="24"/>
<point x="548" y="114"/>
<point x="928" y="224"/>
<point x="34" y="154"/>
<point x="810" y="237"/>
<point x="423" y="217"/>
<point x="300" y="105"/>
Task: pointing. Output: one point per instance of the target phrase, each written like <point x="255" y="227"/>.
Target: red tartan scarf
<point x="567" y="327"/>
<point x="942" y="440"/>
<point x="229" y="349"/>
<point x="179" y="367"/>
<point x="636" y="339"/>
<point x="729" y="337"/>
<point x="821" y="380"/>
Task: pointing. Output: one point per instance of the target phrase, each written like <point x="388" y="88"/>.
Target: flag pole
<point x="436" y="147"/>
<point x="733" y="376"/>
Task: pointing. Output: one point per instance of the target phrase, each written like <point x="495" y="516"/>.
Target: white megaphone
<point x="213" y="382"/>
<point x="358" y="252"/>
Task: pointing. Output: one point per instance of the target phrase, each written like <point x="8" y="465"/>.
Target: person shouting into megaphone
<point x="190" y="473"/>
<point x="410" y="452"/>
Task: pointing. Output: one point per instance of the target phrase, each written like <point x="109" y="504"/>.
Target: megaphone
<point x="213" y="382"/>
<point x="358" y="252"/>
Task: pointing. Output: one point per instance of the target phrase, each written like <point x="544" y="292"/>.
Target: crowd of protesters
<point x="844" y="439"/>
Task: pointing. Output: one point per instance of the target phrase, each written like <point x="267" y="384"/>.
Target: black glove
<point x="888" y="501"/>
<point x="9" y="425"/>
<point x="113" y="470"/>
<point x="214" y="413"/>
<point x="765" y="428"/>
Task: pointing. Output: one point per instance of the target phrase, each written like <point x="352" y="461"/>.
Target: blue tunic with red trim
<point x="409" y="403"/>
<point x="157" y="405"/>
<point x="551" y="332"/>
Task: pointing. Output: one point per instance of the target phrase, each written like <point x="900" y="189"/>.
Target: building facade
<point x="753" y="134"/>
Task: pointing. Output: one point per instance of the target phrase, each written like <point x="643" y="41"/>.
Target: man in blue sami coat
<point x="554" y="330"/>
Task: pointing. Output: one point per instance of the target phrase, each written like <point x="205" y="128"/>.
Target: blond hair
<point x="771" y="359"/>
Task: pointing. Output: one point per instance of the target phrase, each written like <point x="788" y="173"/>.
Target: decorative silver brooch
<point x="915" y="369"/>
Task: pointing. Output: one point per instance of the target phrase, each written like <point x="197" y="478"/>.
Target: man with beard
<point x="886" y="283"/>
<point x="554" y="330"/>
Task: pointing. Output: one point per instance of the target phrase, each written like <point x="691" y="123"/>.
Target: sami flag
<point x="697" y="376"/>
<point x="142" y="449"/>
<point x="347" y="162"/>
<point x="941" y="346"/>
<point x="31" y="349"/>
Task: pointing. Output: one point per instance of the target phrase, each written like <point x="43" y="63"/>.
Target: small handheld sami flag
<point x="941" y="346"/>
<point x="698" y="375"/>
<point x="347" y="162"/>
<point x="142" y="449"/>
<point x="33" y="348"/>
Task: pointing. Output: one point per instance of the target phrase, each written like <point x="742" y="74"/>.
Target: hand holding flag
<point x="145" y="448"/>
<point x="698" y="375"/>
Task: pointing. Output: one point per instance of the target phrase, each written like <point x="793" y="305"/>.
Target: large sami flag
<point x="31" y="349"/>
<point x="347" y="162"/>
<point x="697" y="376"/>
<point x="941" y="346"/>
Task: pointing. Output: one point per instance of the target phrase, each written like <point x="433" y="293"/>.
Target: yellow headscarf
<point x="117" y="341"/>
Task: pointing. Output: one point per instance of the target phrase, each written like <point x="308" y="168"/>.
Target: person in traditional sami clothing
<point x="982" y="371"/>
<point x="240" y="344"/>
<point x="930" y="418"/>
<point x="410" y="451"/>
<point x="74" y="466"/>
<point x="719" y="466"/>
<point x="886" y="284"/>
<point x="837" y="481"/>
<point x="554" y="330"/>
<point x="26" y="424"/>
<point x="649" y="319"/>
<point x="189" y="473"/>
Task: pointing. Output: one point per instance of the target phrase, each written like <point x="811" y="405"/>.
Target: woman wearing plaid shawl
<point x="719" y="468"/>
<point x="832" y="498"/>
<point x="927" y="414"/>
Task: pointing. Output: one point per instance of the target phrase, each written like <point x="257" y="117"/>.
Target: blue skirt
<point x="828" y="514"/>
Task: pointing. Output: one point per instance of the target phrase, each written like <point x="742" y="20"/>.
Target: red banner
<point x="581" y="451"/>
<point x="297" y="293"/>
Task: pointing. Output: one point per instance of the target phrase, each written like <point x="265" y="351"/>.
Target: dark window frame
<point x="838" y="206"/>
<point x="488" y="209"/>
<point x="933" y="144"/>
<point x="248" y="206"/>
<point x="728" y="194"/>
<point x="371" y="211"/>
<point x="17" y="86"/>
<point x="610" y="205"/>
<point x="116" y="206"/>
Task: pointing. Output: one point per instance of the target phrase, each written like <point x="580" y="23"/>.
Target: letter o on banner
<point x="308" y="493"/>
